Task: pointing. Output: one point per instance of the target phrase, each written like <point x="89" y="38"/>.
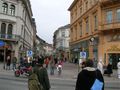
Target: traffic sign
<point x="2" y="43"/>
<point x="82" y="54"/>
<point x="29" y="53"/>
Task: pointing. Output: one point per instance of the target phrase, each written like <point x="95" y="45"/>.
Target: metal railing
<point x="9" y="37"/>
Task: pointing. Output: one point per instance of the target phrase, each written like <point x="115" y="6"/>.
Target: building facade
<point x="17" y="27"/>
<point x="95" y="29"/>
<point x="48" y="49"/>
<point x="39" y="46"/>
<point x="61" y="42"/>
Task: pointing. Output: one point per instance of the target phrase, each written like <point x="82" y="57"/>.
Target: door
<point x="114" y="58"/>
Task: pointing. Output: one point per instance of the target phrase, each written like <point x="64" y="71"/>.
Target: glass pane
<point x="3" y="30"/>
<point x="118" y="15"/>
<point x="109" y="17"/>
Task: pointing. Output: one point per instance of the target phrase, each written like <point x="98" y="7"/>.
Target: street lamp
<point x="92" y="40"/>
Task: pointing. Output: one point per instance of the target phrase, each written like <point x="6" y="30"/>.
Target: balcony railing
<point x="114" y="24"/>
<point x="10" y="37"/>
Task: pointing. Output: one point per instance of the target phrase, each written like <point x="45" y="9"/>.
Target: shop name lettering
<point x="114" y="48"/>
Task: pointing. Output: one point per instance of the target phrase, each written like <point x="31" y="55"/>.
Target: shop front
<point x="113" y="54"/>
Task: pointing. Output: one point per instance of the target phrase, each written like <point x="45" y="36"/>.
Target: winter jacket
<point x="86" y="78"/>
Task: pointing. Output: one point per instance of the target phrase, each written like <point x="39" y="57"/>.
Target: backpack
<point x="33" y="83"/>
<point x="97" y="85"/>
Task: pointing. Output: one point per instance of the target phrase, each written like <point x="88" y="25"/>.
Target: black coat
<point x="87" y="77"/>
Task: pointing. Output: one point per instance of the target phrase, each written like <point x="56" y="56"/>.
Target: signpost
<point x="83" y="55"/>
<point x="29" y="53"/>
<point x="2" y="43"/>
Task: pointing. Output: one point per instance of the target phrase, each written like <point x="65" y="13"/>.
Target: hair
<point x="89" y="63"/>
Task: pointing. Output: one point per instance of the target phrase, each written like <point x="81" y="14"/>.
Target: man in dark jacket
<point x="87" y="77"/>
<point x="42" y="75"/>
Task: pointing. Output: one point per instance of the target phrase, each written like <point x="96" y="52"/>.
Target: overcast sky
<point x="50" y="15"/>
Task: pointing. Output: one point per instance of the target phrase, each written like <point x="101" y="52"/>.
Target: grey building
<point x="17" y="27"/>
<point x="61" y="42"/>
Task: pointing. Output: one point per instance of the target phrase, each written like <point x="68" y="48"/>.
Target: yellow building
<point x="95" y="29"/>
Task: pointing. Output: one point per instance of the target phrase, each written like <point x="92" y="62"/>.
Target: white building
<point x="61" y="41"/>
<point x="17" y="27"/>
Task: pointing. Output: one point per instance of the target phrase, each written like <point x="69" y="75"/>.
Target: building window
<point x="5" y="8"/>
<point x="95" y="22"/>
<point x="87" y="25"/>
<point x="81" y="29"/>
<point x="86" y="5"/>
<point x="9" y="32"/>
<point x="3" y="30"/>
<point x="12" y="10"/>
<point x="63" y="34"/>
<point x="80" y="10"/>
<point x="118" y="15"/>
<point x="109" y="17"/>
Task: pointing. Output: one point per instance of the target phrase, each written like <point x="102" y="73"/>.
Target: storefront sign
<point x="114" y="48"/>
<point x="2" y="43"/>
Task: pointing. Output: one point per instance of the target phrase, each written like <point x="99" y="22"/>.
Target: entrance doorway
<point x="114" y="58"/>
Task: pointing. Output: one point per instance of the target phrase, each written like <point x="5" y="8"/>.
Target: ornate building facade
<point x="17" y="27"/>
<point x="95" y="29"/>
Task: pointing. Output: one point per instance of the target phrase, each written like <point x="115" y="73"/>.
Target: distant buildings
<point x="42" y="47"/>
<point x="61" y="42"/>
<point x="17" y="27"/>
<point x="95" y="29"/>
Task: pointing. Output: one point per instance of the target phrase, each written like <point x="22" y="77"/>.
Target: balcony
<point x="108" y="2"/>
<point x="8" y="37"/>
<point x="112" y="25"/>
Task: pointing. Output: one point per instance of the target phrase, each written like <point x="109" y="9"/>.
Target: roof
<point x="72" y="5"/>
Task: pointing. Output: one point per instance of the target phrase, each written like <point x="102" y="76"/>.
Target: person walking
<point x="100" y="66"/>
<point x="52" y="66"/>
<point x="8" y="62"/>
<point x="118" y="68"/>
<point x="109" y="69"/>
<point x="42" y="75"/>
<point x="14" y="61"/>
<point x="89" y="78"/>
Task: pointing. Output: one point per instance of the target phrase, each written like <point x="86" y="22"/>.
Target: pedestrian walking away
<point x="109" y="70"/>
<point x="14" y="61"/>
<point x="52" y="66"/>
<point x="42" y="75"/>
<point x="89" y="78"/>
<point x="118" y="67"/>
